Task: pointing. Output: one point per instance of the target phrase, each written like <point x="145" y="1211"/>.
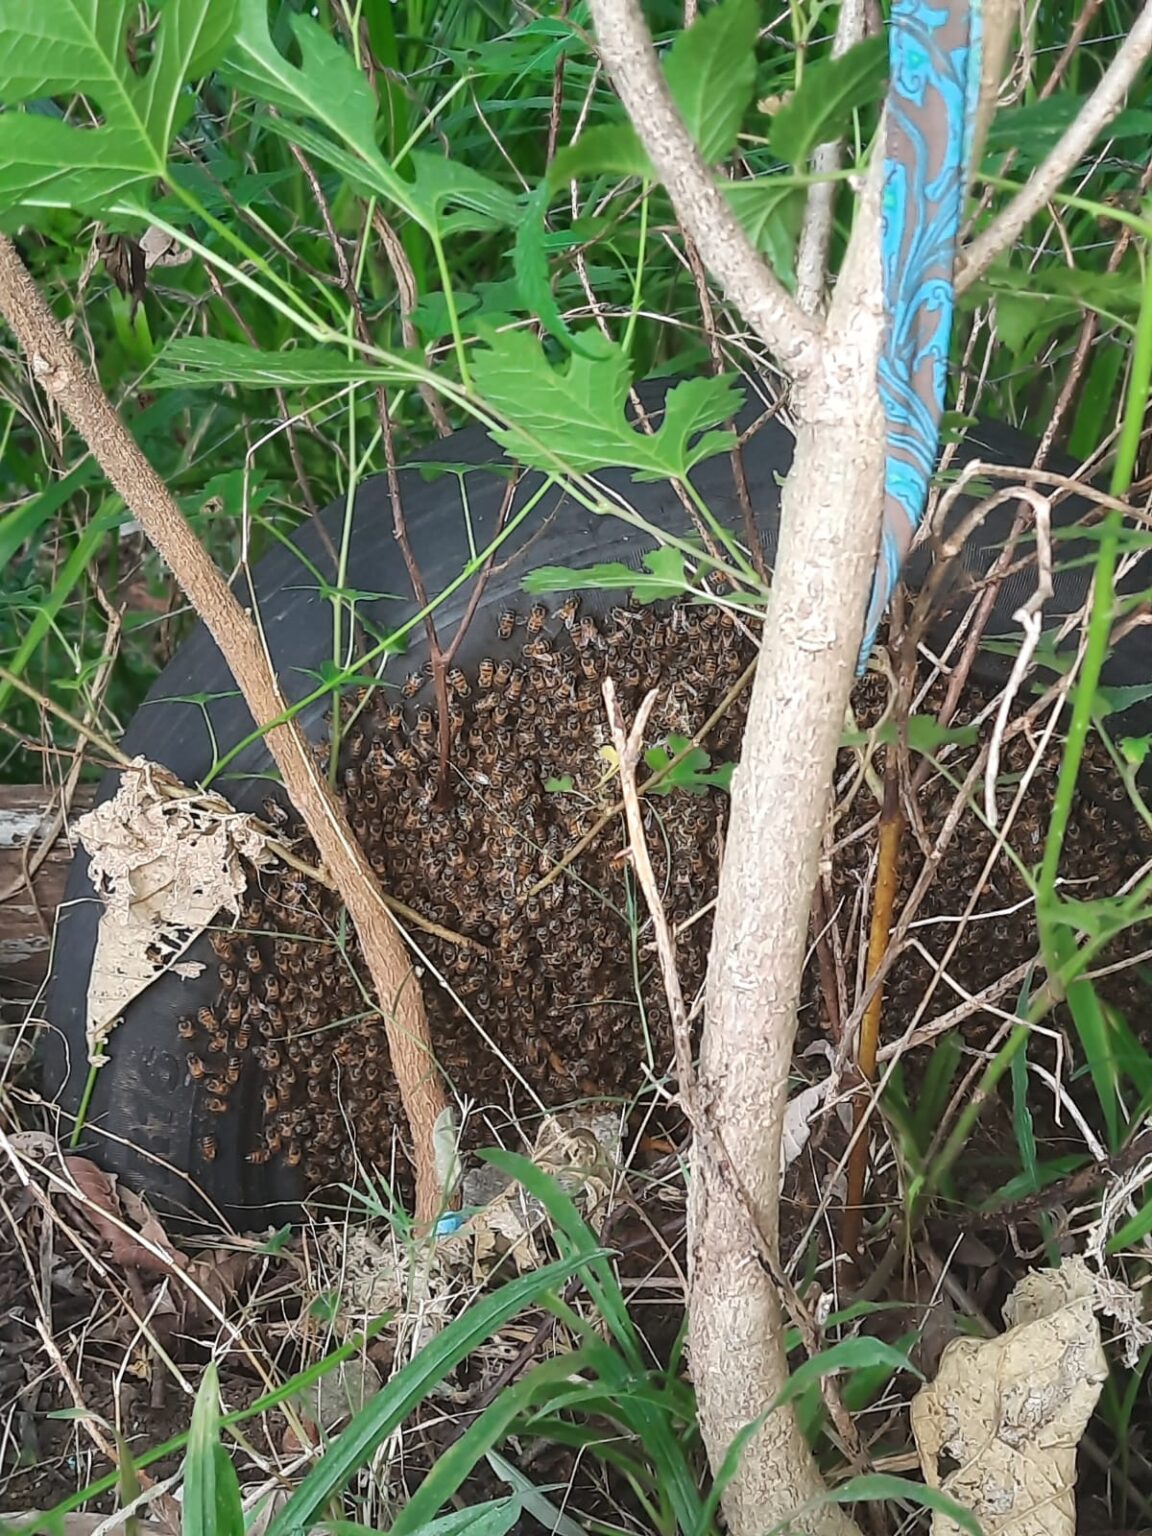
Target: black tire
<point x="147" y="1118"/>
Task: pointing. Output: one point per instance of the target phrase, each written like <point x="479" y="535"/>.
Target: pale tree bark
<point x="829" y="537"/>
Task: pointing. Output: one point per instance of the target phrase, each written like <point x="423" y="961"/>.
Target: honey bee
<point x="216" y="1085"/>
<point x="352" y="780"/>
<point x="217" y="1105"/>
<point x="485" y="673"/>
<point x="218" y="1043"/>
<point x="243" y="1036"/>
<point x="506" y="623"/>
<point x="196" y="1068"/>
<point x="459" y="684"/>
<point x="258" y="1156"/>
<point x="186" y="1028"/>
<point x="586" y="635"/>
<point x="243" y="984"/>
<point x="206" y="1018"/>
<point x="503" y="672"/>
<point x="568" y="610"/>
<point x="224" y="945"/>
<point x="253" y="959"/>
<point x="412" y="685"/>
<point x="271" y="1099"/>
<point x="252" y="912"/>
<point x="208" y="1148"/>
<point x="269" y="1058"/>
<point x="537" y="615"/>
<point x="272" y="1140"/>
<point x="407" y="758"/>
<point x="233" y="1070"/>
<point x="425" y="723"/>
<point x="515" y="685"/>
<point x="274" y="812"/>
<point x="293" y="1154"/>
<point x="356" y="745"/>
<point x="235" y="1011"/>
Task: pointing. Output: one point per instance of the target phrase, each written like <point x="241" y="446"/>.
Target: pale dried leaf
<point x="165" y="864"/>
<point x="162" y="249"/>
<point x="1007" y="1414"/>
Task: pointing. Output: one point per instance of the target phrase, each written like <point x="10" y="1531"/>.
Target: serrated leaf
<point x="574" y="414"/>
<point x="70" y="47"/>
<point x="669" y="577"/>
<point x="771" y="214"/>
<point x="327" y="88"/>
<point x="711" y="72"/>
<point x="693" y="773"/>
<point x="830" y="92"/>
<point x="605" y="149"/>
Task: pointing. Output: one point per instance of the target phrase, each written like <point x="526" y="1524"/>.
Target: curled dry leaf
<point x="219" y="1273"/>
<point x="1007" y="1414"/>
<point x="99" y="1202"/>
<point x="581" y="1152"/>
<point x="165" y="862"/>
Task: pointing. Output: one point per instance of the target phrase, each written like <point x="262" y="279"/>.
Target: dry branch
<point x="59" y="371"/>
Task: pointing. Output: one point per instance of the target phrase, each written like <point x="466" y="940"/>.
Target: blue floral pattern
<point x="934" y="51"/>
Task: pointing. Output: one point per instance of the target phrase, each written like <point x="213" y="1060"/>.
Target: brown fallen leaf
<point x="100" y="1203"/>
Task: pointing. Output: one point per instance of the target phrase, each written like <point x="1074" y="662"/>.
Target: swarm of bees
<point x="559" y="995"/>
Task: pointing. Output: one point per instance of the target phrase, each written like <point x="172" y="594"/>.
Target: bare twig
<point x="1095" y="115"/>
<point x="629" y="749"/>
<point x="64" y="379"/>
<point x="816" y="231"/>
<point x="699" y="203"/>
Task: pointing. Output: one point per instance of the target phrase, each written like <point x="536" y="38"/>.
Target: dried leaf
<point x="165" y="865"/>
<point x="1007" y="1414"/>
<point x="98" y="1201"/>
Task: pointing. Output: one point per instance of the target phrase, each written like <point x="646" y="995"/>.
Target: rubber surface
<point x="147" y="1116"/>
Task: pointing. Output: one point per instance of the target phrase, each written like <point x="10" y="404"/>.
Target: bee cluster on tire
<point x="555" y="996"/>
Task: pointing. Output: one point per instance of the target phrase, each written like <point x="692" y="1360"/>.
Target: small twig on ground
<point x="64" y="379"/>
<point x="1029" y="616"/>
<point x="629" y="752"/>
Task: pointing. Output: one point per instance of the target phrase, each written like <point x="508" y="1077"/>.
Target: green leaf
<point x="212" y="1502"/>
<point x="71" y="47"/>
<point x="771" y="214"/>
<point x="849" y="1355"/>
<point x="202" y="360"/>
<point x="495" y="1517"/>
<point x="410" y="1386"/>
<point x="830" y="92"/>
<point x="605" y="149"/>
<point x="694" y="771"/>
<point x="487" y="1430"/>
<point x="873" y="1487"/>
<point x="711" y="72"/>
<point x="574" y="415"/>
